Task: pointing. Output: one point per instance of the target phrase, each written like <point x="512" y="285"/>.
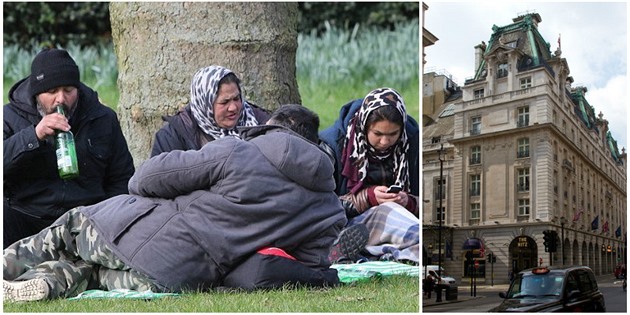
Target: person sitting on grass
<point x="376" y="145"/>
<point x="35" y="195"/>
<point x="216" y="109"/>
<point x="190" y="219"/>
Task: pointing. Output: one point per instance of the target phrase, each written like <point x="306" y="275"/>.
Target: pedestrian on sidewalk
<point x="429" y="285"/>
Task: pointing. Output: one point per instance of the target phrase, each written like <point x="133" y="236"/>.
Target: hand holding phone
<point x="394" y="189"/>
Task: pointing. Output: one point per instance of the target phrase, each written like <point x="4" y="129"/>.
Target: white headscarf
<point x="203" y="93"/>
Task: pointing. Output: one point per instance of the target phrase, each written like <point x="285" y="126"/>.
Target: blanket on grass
<point x="347" y="273"/>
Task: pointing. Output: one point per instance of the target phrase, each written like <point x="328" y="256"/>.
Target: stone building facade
<point x="522" y="152"/>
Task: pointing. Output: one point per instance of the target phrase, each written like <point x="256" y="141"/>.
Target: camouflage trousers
<point x="71" y="257"/>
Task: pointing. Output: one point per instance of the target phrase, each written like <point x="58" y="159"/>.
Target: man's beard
<point x="42" y="111"/>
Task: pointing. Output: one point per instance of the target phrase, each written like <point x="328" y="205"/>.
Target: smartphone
<point x="394" y="189"/>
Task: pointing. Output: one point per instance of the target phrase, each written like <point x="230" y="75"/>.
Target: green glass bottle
<point x="66" y="152"/>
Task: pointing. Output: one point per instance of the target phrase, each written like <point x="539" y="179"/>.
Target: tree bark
<point x="160" y="46"/>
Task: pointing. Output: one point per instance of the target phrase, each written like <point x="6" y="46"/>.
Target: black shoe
<point x="349" y="244"/>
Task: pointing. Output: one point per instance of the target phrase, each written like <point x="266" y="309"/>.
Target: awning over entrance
<point x="472" y="244"/>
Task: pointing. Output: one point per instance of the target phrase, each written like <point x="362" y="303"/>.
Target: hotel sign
<point x="523" y="242"/>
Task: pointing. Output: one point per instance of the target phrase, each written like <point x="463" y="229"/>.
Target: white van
<point x="446" y="281"/>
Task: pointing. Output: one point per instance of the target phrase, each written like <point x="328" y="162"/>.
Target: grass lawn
<point x="391" y="294"/>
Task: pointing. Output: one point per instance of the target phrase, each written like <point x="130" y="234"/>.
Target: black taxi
<point x="553" y="289"/>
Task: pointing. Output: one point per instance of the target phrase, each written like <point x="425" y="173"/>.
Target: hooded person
<point x="35" y="194"/>
<point x="375" y="145"/>
<point x="216" y="108"/>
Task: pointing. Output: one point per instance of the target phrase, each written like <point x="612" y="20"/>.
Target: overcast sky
<point x="594" y="42"/>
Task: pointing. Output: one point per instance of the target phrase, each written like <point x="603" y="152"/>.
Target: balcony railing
<point x="475" y="131"/>
<point x="522" y="123"/>
<point x="475" y="192"/>
<point x="475" y="160"/>
<point x="522" y="153"/>
<point x="523" y="187"/>
<point x="567" y="164"/>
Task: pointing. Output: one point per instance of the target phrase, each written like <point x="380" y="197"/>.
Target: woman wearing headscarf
<point x="216" y="108"/>
<point x="375" y="144"/>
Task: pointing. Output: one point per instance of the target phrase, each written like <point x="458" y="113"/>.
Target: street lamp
<point x="441" y="213"/>
<point x="563" y="221"/>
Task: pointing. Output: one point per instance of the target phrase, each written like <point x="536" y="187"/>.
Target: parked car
<point x="553" y="289"/>
<point x="446" y="281"/>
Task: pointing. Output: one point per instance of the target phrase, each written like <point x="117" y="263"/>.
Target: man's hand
<point x="49" y="124"/>
<point x="382" y="196"/>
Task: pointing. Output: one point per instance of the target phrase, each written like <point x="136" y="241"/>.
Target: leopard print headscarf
<point x="203" y="93"/>
<point x="357" y="148"/>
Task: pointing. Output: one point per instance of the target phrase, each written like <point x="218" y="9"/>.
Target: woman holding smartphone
<point x="376" y="149"/>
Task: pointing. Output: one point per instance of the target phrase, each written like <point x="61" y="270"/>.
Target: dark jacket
<point x="181" y="131"/>
<point x="31" y="181"/>
<point x="334" y="137"/>
<point x="194" y="215"/>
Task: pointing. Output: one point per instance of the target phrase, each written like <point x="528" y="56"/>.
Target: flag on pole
<point x="595" y="223"/>
<point x="605" y="227"/>
<point x="577" y="215"/>
<point x="618" y="232"/>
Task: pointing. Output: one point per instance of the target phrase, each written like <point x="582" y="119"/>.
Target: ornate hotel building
<point x="522" y="152"/>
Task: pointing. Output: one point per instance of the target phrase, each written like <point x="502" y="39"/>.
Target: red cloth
<point x="275" y="251"/>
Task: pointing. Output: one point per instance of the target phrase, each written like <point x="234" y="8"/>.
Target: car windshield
<point x="434" y="272"/>
<point x="443" y="273"/>
<point x="532" y="285"/>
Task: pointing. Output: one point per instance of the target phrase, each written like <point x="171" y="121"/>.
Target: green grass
<point x="393" y="294"/>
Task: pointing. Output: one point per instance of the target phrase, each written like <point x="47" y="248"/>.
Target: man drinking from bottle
<point x="34" y="192"/>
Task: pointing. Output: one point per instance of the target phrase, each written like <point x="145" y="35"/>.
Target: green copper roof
<point x="612" y="145"/>
<point x="583" y="109"/>
<point x="539" y="48"/>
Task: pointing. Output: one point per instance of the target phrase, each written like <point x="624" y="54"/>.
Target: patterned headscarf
<point x="203" y="92"/>
<point x="357" y="148"/>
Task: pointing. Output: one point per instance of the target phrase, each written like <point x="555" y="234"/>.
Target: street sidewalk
<point x="463" y="291"/>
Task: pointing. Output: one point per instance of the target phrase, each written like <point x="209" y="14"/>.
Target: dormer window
<point x="477" y="94"/>
<point x="502" y="70"/>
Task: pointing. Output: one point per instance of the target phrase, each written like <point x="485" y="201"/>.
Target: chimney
<point x="479" y="50"/>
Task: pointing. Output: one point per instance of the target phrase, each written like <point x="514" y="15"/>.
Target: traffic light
<point x="553" y="244"/>
<point x="546" y="239"/>
<point x="492" y="258"/>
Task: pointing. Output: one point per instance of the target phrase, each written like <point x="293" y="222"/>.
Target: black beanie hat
<point x="53" y="68"/>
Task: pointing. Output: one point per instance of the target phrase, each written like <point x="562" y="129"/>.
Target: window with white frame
<point x="523" y="207"/>
<point x="475" y="185"/>
<point x="478" y="93"/>
<point x="526" y="82"/>
<point x="439" y="214"/>
<point x="475" y="211"/>
<point x="475" y="125"/>
<point x="437" y="185"/>
<point x="475" y="155"/>
<point x="523" y="116"/>
<point x="523" y="148"/>
<point x="523" y="179"/>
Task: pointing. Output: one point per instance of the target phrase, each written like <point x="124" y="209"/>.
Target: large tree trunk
<point x="160" y="46"/>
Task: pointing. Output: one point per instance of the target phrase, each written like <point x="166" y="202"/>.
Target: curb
<point x="433" y="303"/>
